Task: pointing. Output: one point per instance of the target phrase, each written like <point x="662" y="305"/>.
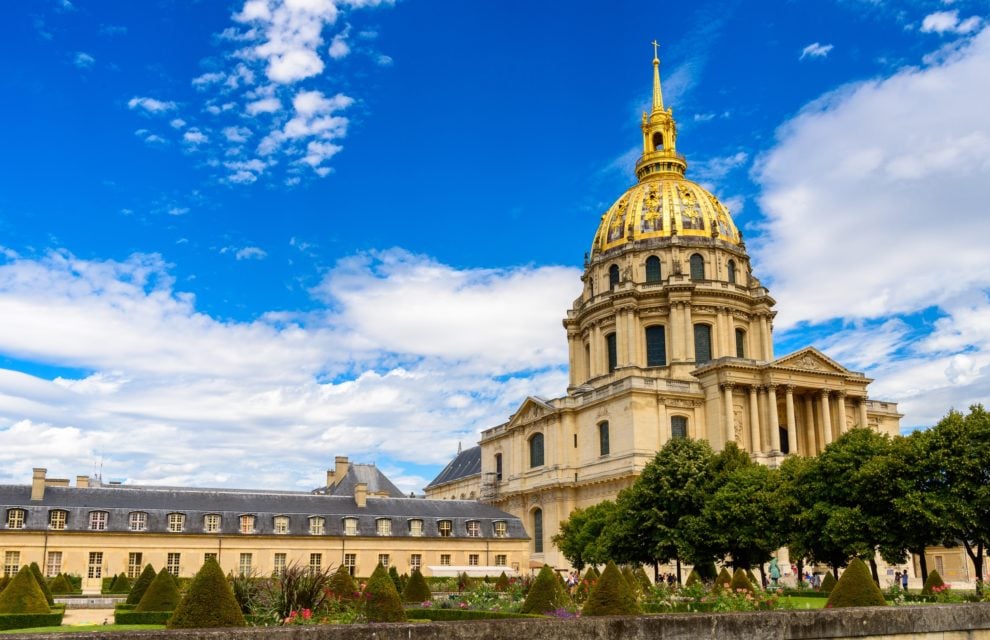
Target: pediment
<point x="810" y="359"/>
<point x="532" y="408"/>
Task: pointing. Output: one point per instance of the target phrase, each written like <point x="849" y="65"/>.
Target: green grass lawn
<point x="799" y="602"/>
<point x="87" y="627"/>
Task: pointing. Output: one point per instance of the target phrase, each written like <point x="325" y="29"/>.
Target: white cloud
<point x="339" y="47"/>
<point x="213" y="77"/>
<point x="948" y="22"/>
<point x="83" y="60"/>
<point x="383" y="60"/>
<point x="177" y="211"/>
<point x="237" y="134"/>
<point x="150" y="105"/>
<point x="314" y="120"/>
<point x="195" y="136"/>
<point x="816" y="50"/>
<point x="177" y="123"/>
<point x="265" y="105"/>
<point x="715" y="169"/>
<point x="250" y="253"/>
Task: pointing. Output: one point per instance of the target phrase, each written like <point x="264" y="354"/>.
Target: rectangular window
<point x="415" y="561"/>
<point x="210" y="556"/>
<point x="416" y="528"/>
<point x="134" y="565"/>
<point x="244" y="564"/>
<point x="501" y="560"/>
<point x="172" y="563"/>
<point x="54" y="565"/>
<point x="317" y="526"/>
<point x="603" y="445"/>
<point x="656" y="347"/>
<point x="15" y="518"/>
<point x="473" y="559"/>
<point x="444" y="527"/>
<point x="383" y="559"/>
<point x="56" y="520"/>
<point x="278" y="564"/>
<point x="315" y="563"/>
<point x="702" y="343"/>
<point x="350" y="526"/>
<point x="11" y="563"/>
<point x="678" y="427"/>
<point x="444" y="559"/>
<point x="98" y="520"/>
<point x="474" y="529"/>
<point x="137" y="521"/>
<point x="247" y="524"/>
<point x="383" y="527"/>
<point x="281" y="525"/>
<point x="498" y="467"/>
<point x="211" y="523"/>
<point x="740" y="343"/>
<point x="612" y="352"/>
<point x="500" y="529"/>
<point x="95" y="567"/>
<point x="176" y="521"/>
<point x="350" y="561"/>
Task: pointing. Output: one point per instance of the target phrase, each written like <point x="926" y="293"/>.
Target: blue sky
<point x="239" y="238"/>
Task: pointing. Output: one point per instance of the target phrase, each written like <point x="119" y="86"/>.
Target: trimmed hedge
<point x="36" y="570"/>
<point x="418" y="591"/>
<point x="448" y="615"/>
<point x="933" y="580"/>
<point x="740" y="581"/>
<point x="856" y="588"/>
<point x="28" y="620"/>
<point x="828" y="583"/>
<point x="342" y="584"/>
<point x="162" y="594"/>
<point x="724" y="579"/>
<point x="141" y="617"/>
<point x="502" y="583"/>
<point x="692" y="579"/>
<point x="141" y="585"/>
<point x="383" y="602"/>
<point x="545" y="594"/>
<point x="612" y="596"/>
<point x="209" y="602"/>
<point x="23" y="595"/>
<point x="61" y="585"/>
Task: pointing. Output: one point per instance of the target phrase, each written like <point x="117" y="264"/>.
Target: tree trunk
<point x="656" y="572"/>
<point x="800" y="575"/>
<point x="679" y="572"/>
<point x="873" y="570"/>
<point x="976" y="555"/>
<point x="763" y="576"/>
<point x="835" y="571"/>
<point x="924" y="565"/>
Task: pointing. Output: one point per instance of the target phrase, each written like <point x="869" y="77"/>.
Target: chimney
<point x="340" y="467"/>
<point x="82" y="482"/>
<point x="361" y="494"/>
<point x="38" y="484"/>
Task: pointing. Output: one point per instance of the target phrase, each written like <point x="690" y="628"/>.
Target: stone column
<point x="688" y="332"/>
<point x="791" y="424"/>
<point x="863" y="420"/>
<point x="730" y="427"/>
<point x="774" y="419"/>
<point x="809" y="428"/>
<point x="636" y="356"/>
<point x="572" y="356"/>
<point x="764" y="338"/>
<point x="596" y="351"/>
<point x="674" y="332"/>
<point x="754" y="421"/>
<point x="621" y="338"/>
<point x="826" y="419"/>
<point x="840" y="400"/>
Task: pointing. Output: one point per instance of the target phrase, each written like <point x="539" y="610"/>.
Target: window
<point x="653" y="269"/>
<point x="281" y="525"/>
<point x="317" y="526"/>
<point x="498" y="467"/>
<point x="740" y="343"/>
<point x="176" y="522"/>
<point x="56" y="520"/>
<point x="415" y="561"/>
<point x="697" y="267"/>
<point x="54" y="565"/>
<point x="416" y="528"/>
<point x="11" y="563"/>
<point x="500" y="528"/>
<point x="278" y="564"/>
<point x="134" y="564"/>
<point x="350" y="526"/>
<point x="536" y="450"/>
<point x="473" y="559"/>
<point x="474" y="529"/>
<point x="613" y="276"/>
<point x="315" y="563"/>
<point x="247" y="524"/>
<point x="210" y="556"/>
<point x="657" y="141"/>
<point x="350" y="561"/>
<point x="731" y="269"/>
<point x="211" y="523"/>
<point x="15" y="518"/>
<point x="445" y="527"/>
<point x="538" y="530"/>
<point x="244" y="564"/>
<point x="612" y="352"/>
<point x="98" y="520"/>
<point x="702" y="343"/>
<point x="678" y="427"/>
<point x="383" y="527"/>
<point x="137" y="521"/>
<point x="656" y="346"/>
<point x="94" y="569"/>
<point x="603" y="439"/>
<point x="501" y="560"/>
<point x="383" y="559"/>
<point x="444" y="559"/>
<point x="172" y="563"/>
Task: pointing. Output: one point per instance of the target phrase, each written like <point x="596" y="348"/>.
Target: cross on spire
<point x="656" y="48"/>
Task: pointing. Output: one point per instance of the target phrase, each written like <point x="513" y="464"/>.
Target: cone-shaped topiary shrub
<point x="23" y="595"/>
<point x="162" y="594"/>
<point x="383" y="603"/>
<point x="611" y="596"/>
<point x="502" y="583"/>
<point x="630" y="578"/>
<point x="60" y="585"/>
<point x="724" y="579"/>
<point x="644" y="580"/>
<point x="418" y="591"/>
<point x="828" y="583"/>
<point x="707" y="571"/>
<point x="464" y="582"/>
<point x="740" y="581"/>
<point x="856" y="588"/>
<point x="545" y="593"/>
<point x="4" y="581"/>
<point x="393" y="575"/>
<point x="209" y="602"/>
<point x="692" y="579"/>
<point x="141" y="585"/>
<point x="42" y="583"/>
<point x="342" y="584"/>
<point x="753" y="580"/>
<point x="120" y="584"/>
<point x="933" y="580"/>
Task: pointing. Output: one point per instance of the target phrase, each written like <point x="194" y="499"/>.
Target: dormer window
<point x="473" y="529"/>
<point x="15" y="518"/>
<point x="281" y="525"/>
<point x="350" y="526"/>
<point x="98" y="520"/>
<point x="416" y="528"/>
<point x="176" y="522"/>
<point x="317" y="526"/>
<point x="137" y="521"/>
<point x="247" y="524"/>
<point x="444" y="528"/>
<point x="211" y="523"/>
<point x="383" y="526"/>
<point x="500" y="528"/>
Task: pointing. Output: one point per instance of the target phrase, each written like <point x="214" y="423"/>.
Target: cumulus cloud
<point x="948" y="22"/>
<point x="150" y="105"/>
<point x="83" y="60"/>
<point x="815" y="50"/>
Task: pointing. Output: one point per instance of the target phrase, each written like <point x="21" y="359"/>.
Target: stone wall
<point x="942" y="622"/>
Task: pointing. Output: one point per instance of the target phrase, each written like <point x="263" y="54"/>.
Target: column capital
<point x="825" y="393"/>
<point x="727" y="385"/>
<point x="772" y="387"/>
<point x="840" y="393"/>
<point x="789" y="388"/>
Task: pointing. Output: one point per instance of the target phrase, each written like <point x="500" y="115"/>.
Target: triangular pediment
<point x="810" y="359"/>
<point x="532" y="408"/>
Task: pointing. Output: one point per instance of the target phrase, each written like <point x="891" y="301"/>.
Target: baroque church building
<point x="671" y="336"/>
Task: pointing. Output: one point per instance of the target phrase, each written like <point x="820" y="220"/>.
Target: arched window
<point x="697" y="267"/>
<point x="731" y="268"/>
<point x="740" y="343"/>
<point x="656" y="346"/>
<point x="702" y="343"/>
<point x="658" y="141"/>
<point x="612" y="352"/>
<point x="537" y="530"/>
<point x="603" y="439"/>
<point x="536" y="450"/>
<point x="678" y="427"/>
<point x="498" y="467"/>
<point x="653" y="269"/>
<point x="613" y="276"/>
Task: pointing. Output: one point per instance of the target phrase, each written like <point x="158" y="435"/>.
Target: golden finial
<point x="656" y="48"/>
<point x="657" y="94"/>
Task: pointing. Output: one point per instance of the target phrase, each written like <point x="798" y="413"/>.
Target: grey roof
<point x="230" y="504"/>
<point x="370" y="475"/>
<point x="466" y="463"/>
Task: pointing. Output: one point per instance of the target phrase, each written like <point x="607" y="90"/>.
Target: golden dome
<point x="664" y="207"/>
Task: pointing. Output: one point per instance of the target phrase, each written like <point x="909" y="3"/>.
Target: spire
<point x="660" y="157"/>
<point x="657" y="94"/>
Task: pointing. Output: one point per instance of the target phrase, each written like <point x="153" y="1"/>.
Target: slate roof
<point x="466" y="463"/>
<point x="369" y="474"/>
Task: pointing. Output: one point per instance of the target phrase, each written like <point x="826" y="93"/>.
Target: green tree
<point x="208" y="603"/>
<point x="581" y="538"/>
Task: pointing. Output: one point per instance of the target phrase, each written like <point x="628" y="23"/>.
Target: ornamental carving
<point x="808" y="362"/>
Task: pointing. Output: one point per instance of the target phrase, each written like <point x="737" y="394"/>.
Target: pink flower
<point x="307" y="614"/>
